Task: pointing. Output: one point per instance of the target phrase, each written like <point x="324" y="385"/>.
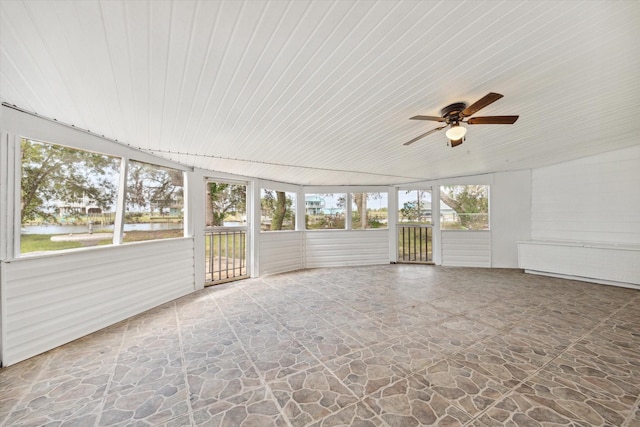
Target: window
<point x="155" y="202"/>
<point x="226" y="204"/>
<point x="467" y="207"/>
<point x="324" y="211"/>
<point x="414" y="206"/>
<point x="277" y="210"/>
<point x="369" y="210"/>
<point x="68" y="197"/>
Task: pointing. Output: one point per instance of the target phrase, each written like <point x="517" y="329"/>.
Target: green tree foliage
<point x="415" y="210"/>
<point x="471" y="203"/>
<point x="277" y="205"/>
<point x="224" y="200"/>
<point x="153" y="187"/>
<point x="53" y="173"/>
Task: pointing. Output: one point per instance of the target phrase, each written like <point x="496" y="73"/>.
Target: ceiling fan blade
<point x="489" y="98"/>
<point x="493" y="120"/>
<point x="417" y="138"/>
<point x="432" y="118"/>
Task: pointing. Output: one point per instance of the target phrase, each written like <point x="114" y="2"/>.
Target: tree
<point x="224" y="199"/>
<point x="471" y="203"/>
<point x="277" y="206"/>
<point x="360" y="200"/>
<point x="53" y="173"/>
<point x="280" y="211"/>
<point x="414" y="210"/>
<point x="150" y="186"/>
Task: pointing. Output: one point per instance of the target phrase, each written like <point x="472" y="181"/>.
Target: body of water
<point x="75" y="229"/>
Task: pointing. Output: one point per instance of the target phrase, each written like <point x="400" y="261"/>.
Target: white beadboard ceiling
<point x="320" y="92"/>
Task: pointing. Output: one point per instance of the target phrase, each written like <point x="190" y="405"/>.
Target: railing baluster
<point x="234" y="266"/>
<point x="414" y="244"/>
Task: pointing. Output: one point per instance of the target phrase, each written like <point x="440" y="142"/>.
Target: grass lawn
<point x="42" y="242"/>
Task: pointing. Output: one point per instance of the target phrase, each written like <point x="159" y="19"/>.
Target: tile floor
<point x="395" y="345"/>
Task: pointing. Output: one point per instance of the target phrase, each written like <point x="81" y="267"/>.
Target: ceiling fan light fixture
<point x="456" y="132"/>
<point x="456" y="142"/>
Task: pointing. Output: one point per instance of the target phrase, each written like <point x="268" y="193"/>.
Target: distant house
<point x="313" y="205"/>
<point x="82" y="206"/>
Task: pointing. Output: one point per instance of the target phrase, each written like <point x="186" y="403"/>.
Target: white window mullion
<point x="347" y="212"/>
<point x="118" y="227"/>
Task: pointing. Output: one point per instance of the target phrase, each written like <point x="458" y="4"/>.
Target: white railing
<point x="415" y="243"/>
<point x="226" y="254"/>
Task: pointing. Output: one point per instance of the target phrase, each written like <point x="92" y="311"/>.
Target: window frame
<point x="456" y="215"/>
<point x="88" y="142"/>
<point x="345" y="212"/>
<point x="293" y="211"/>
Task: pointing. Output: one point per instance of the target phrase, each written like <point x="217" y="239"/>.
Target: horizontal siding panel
<point x="614" y="264"/>
<point x="77" y="285"/>
<point x="466" y="248"/>
<point x="588" y="199"/>
<point x="55" y="299"/>
<point x="348" y="247"/>
<point x="281" y="252"/>
<point x="93" y="257"/>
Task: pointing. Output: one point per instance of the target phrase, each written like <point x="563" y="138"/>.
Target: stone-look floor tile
<point x="256" y="320"/>
<point x="368" y="332"/>
<point x="409" y="317"/>
<point x="16" y="382"/>
<point x="528" y="352"/>
<point x="575" y="394"/>
<point x="605" y="376"/>
<point x="515" y="410"/>
<point x="255" y="408"/>
<point x="365" y="371"/>
<point x="633" y="420"/>
<point x="471" y="389"/>
<point x="497" y="315"/>
<point x="60" y="399"/>
<point x="160" y="321"/>
<point x="505" y="347"/>
<point x="136" y="366"/>
<point x="183" y="420"/>
<point x="341" y="316"/>
<point x="279" y="357"/>
<point x="149" y="403"/>
<point x="236" y="303"/>
<point x="205" y="330"/>
<point x="498" y="364"/>
<point x="410" y="353"/>
<point x="221" y="377"/>
<point x="455" y="333"/>
<point x="299" y="324"/>
<point x="535" y="324"/>
<point x="464" y="301"/>
<point x="311" y="395"/>
<point x="200" y="352"/>
<point x="412" y="402"/>
<point x="620" y="336"/>
<point x="194" y="313"/>
<point x="327" y="344"/>
<point x="357" y="415"/>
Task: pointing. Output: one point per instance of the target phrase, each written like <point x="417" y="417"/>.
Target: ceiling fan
<point x="455" y="114"/>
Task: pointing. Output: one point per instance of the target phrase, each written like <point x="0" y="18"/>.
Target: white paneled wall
<point x="52" y="300"/>
<point x="595" y="199"/>
<point x="586" y="219"/>
<point x="598" y="263"/>
<point x="332" y="248"/>
<point x="281" y="251"/>
<point x="466" y="248"/>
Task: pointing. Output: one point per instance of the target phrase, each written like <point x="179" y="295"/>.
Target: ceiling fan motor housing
<point x="452" y="112"/>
